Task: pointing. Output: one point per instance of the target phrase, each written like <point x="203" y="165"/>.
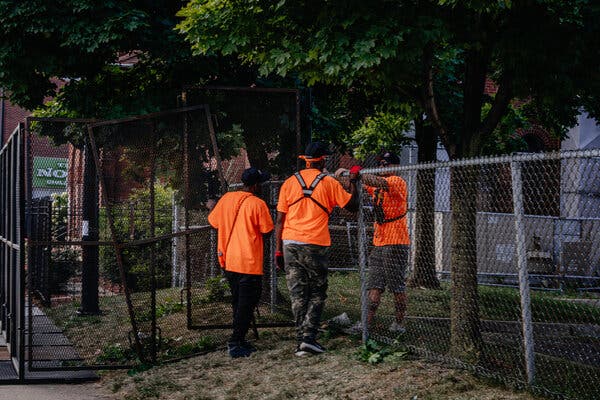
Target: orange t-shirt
<point x="305" y="221"/>
<point x="244" y="254"/>
<point x="394" y="204"/>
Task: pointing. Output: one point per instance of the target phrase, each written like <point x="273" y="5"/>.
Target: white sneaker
<point x="396" y="328"/>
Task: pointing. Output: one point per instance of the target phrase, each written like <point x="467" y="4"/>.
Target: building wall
<point x="12" y="116"/>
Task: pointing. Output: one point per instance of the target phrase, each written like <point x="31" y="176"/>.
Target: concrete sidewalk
<point x="88" y="391"/>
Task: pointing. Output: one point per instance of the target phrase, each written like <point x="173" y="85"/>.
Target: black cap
<point x="252" y="176"/>
<point x="388" y="158"/>
<point x="317" y="149"/>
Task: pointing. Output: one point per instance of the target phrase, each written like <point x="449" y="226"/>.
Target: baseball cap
<point x="317" y="150"/>
<point x="387" y="158"/>
<point x="252" y="176"/>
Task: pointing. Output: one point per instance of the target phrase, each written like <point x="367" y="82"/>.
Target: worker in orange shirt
<point x="388" y="260"/>
<point x="242" y="218"/>
<point x="306" y="200"/>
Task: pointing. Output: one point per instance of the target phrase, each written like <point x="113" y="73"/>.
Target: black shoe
<point x="248" y="346"/>
<point x="236" y="350"/>
<point x="311" y="345"/>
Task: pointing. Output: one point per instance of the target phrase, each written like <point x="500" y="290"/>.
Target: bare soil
<point x="274" y="372"/>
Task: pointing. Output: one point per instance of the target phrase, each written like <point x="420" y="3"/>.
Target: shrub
<point x="134" y="226"/>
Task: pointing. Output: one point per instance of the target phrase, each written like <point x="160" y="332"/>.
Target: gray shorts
<point x="387" y="267"/>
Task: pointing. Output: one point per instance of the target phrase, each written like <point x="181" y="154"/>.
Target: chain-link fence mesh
<point x="269" y="125"/>
<point x="492" y="264"/>
<point x="521" y="311"/>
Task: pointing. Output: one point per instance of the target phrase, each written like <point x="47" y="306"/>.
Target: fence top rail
<point x="148" y="116"/>
<point x="558" y="155"/>
<point x="66" y="120"/>
<point x="532" y="216"/>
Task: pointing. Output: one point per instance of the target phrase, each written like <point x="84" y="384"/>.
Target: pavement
<point x="88" y="391"/>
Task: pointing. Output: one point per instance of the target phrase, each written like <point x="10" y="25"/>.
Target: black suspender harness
<point x="378" y="209"/>
<point x="307" y="191"/>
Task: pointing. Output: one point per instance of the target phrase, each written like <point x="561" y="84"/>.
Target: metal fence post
<point x="517" y="188"/>
<point x="272" y="246"/>
<point x="90" y="303"/>
<point x="362" y="263"/>
<point x="175" y="271"/>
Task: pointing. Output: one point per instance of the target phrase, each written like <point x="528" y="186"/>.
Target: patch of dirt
<point x="274" y="372"/>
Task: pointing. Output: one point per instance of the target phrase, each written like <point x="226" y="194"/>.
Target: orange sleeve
<point x="265" y="222"/>
<point x="282" y="203"/>
<point x="340" y="196"/>
<point x="214" y="217"/>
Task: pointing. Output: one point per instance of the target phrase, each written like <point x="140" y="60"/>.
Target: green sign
<point x="50" y="172"/>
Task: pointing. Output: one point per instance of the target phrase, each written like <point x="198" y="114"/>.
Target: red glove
<point x="355" y="169"/>
<point x="354" y="173"/>
<point x="279" y="262"/>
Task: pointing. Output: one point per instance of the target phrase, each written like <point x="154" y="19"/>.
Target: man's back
<point x="305" y="220"/>
<point x="241" y="218"/>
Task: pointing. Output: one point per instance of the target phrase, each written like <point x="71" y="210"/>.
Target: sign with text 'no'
<point x="50" y="172"/>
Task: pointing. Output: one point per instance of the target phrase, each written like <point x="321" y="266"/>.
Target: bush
<point x="134" y="226"/>
<point x="217" y="289"/>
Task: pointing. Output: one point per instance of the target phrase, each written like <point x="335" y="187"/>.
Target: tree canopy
<point x="438" y="52"/>
<point x="80" y="41"/>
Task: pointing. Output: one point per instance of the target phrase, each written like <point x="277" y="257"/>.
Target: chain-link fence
<point x="121" y="259"/>
<point x="492" y="264"/>
<point x="502" y="270"/>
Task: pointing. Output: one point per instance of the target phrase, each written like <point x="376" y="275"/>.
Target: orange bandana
<point x="310" y="160"/>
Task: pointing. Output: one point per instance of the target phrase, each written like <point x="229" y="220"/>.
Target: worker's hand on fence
<point x="340" y="171"/>
<point x="279" y="262"/>
<point x="354" y="172"/>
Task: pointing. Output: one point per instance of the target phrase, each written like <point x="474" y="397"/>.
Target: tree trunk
<point x="466" y="342"/>
<point x="424" y="274"/>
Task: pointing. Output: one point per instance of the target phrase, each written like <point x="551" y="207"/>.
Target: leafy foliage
<point x="373" y="352"/>
<point x="115" y="353"/>
<point x="384" y="130"/>
<point x="383" y="45"/>
<point x="137" y="259"/>
<point x="217" y="289"/>
<point x="73" y="47"/>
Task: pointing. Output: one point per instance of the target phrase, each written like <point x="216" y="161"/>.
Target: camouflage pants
<point x="306" y="277"/>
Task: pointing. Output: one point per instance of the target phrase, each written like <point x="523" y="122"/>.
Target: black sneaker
<point x="248" y="346"/>
<point x="299" y="352"/>
<point x="311" y="345"/>
<point x="236" y="350"/>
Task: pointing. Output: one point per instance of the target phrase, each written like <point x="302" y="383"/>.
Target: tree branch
<point x="499" y="106"/>
<point x="428" y="98"/>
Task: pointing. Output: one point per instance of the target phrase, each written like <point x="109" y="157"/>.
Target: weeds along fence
<point x="504" y="260"/>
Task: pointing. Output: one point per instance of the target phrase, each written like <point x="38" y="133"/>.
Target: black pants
<point x="246" y="290"/>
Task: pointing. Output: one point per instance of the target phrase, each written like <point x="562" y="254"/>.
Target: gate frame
<point x="13" y="246"/>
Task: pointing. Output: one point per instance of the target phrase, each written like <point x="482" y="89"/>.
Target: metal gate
<point x="115" y="277"/>
<point x="12" y="273"/>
